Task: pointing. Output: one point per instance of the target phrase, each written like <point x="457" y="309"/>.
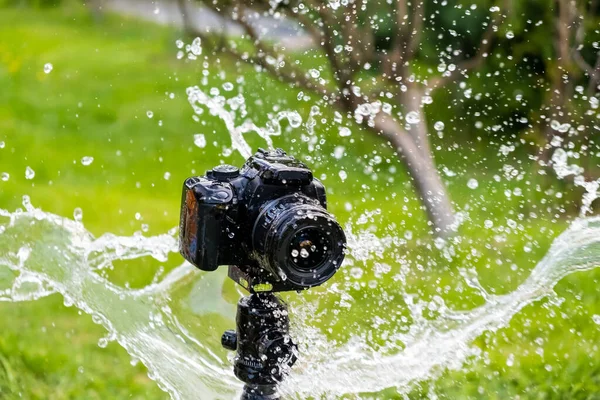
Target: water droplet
<point x="167" y="176"/>
<point x="304" y="253"/>
<point x="356" y="272"/>
<point x="196" y="49"/>
<point x="294" y="119"/>
<point x="345" y="132"/>
<point x="314" y="73"/>
<point x="473" y="184"/>
<point x="596" y="319"/>
<point x="295" y="253"/>
<point x="87" y="160"/>
<point x="2" y="144"/>
<point x="150" y="114"/>
<point x="5" y="176"/>
<point x="29" y="173"/>
<point x="334" y="4"/>
<point x="510" y="35"/>
<point x="343" y="175"/>
<point x="78" y="214"/>
<point x="48" y="68"/>
<point x="200" y="140"/>
<point x="338" y="152"/>
<point x="228" y="86"/>
<point x="439" y="126"/>
<point x="179" y="43"/>
<point x="510" y="360"/>
<point x="413" y="118"/>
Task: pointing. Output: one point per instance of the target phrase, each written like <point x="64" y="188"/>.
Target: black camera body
<point x="267" y="221"/>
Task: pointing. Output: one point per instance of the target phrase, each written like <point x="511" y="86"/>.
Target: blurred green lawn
<point x="94" y="103"/>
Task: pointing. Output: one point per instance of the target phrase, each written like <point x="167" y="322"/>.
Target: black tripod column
<point x="264" y="349"/>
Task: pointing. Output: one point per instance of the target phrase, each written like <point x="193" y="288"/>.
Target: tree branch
<point x="183" y="10"/>
<point x="326" y="40"/>
<point x="595" y="78"/>
<point x="263" y="57"/>
<point x="474" y="62"/>
<point x="417" y="30"/>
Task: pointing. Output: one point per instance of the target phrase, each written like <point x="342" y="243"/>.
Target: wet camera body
<point x="267" y="221"/>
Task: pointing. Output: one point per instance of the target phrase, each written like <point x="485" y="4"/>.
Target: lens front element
<point x="298" y="241"/>
<point x="309" y="248"/>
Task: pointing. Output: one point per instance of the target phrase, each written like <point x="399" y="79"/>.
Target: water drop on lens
<point x="5" y="176"/>
<point x="304" y="253"/>
<point x="87" y="160"/>
<point x="150" y="114"/>
<point x="48" y="68"/>
<point x="295" y="253"/>
<point x="473" y="184"/>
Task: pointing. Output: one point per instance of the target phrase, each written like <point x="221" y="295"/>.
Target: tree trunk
<point x="96" y="9"/>
<point x="412" y="100"/>
<point x="426" y="179"/>
<point x="185" y="17"/>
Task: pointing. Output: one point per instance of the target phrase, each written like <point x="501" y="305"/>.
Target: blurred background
<point x="94" y="115"/>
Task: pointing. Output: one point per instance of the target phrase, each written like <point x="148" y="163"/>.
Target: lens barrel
<point x="298" y="241"/>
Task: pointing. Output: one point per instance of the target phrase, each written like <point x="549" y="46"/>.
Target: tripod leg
<point x="258" y="392"/>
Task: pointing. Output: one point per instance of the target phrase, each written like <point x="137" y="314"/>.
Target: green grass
<point x="107" y="76"/>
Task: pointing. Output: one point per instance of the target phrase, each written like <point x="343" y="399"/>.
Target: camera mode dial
<point x="224" y="173"/>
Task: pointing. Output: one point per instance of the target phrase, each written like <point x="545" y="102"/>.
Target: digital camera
<point x="267" y="221"/>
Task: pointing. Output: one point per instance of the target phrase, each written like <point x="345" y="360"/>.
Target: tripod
<point x="264" y="350"/>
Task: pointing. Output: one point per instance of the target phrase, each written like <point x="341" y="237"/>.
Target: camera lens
<point x="309" y="248"/>
<point x="298" y="241"/>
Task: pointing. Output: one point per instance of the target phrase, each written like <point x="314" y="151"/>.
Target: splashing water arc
<point x="48" y="254"/>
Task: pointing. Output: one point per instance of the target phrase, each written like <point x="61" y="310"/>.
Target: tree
<point x="371" y="50"/>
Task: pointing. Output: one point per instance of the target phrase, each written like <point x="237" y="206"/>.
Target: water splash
<point x="227" y="110"/>
<point x="43" y="254"/>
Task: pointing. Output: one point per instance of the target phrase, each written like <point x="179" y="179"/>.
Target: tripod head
<point x="264" y="349"/>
